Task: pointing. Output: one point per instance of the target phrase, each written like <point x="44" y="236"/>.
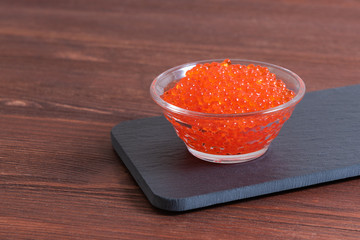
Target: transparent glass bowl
<point x="227" y="138"/>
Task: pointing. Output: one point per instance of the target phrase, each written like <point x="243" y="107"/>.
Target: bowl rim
<point x="175" y="109"/>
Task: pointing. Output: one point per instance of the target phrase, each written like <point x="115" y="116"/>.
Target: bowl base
<point x="228" y="159"/>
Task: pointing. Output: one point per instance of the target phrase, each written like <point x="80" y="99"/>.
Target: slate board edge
<point x="270" y="187"/>
<point x="214" y="198"/>
<point x="155" y="199"/>
<point x="199" y="201"/>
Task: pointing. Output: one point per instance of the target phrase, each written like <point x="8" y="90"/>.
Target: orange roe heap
<point x="228" y="88"/>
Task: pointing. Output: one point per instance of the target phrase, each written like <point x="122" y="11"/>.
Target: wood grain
<point x="70" y="70"/>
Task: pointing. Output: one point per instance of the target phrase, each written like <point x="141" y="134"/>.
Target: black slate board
<point x="319" y="143"/>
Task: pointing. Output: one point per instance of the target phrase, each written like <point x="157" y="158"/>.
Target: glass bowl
<point x="227" y="138"/>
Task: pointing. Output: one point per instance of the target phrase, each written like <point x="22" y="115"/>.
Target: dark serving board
<point x="319" y="143"/>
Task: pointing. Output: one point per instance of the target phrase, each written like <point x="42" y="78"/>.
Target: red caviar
<point x="225" y="88"/>
<point x="228" y="88"/>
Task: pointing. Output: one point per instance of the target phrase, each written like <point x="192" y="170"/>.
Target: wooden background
<point x="72" y="69"/>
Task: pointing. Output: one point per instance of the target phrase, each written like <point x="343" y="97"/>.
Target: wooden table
<point x="71" y="70"/>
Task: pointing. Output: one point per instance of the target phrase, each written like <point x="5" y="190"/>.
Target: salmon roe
<point x="225" y="88"/>
<point x="228" y="88"/>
